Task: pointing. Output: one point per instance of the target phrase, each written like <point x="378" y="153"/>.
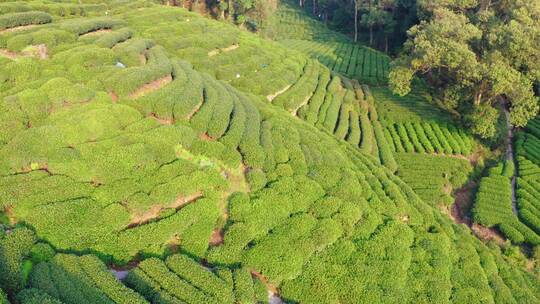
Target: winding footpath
<point x="510" y="158"/>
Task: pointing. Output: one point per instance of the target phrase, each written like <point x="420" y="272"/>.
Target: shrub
<point x="243" y="286"/>
<point x="511" y="233"/>
<point x="14" y="248"/>
<point x="256" y="179"/>
<point x="41" y="252"/>
<point x="23" y="18"/>
<point x="387" y="158"/>
<point x="409" y="147"/>
<point x="111" y="39"/>
<point x="87" y="25"/>
<point x="35" y="296"/>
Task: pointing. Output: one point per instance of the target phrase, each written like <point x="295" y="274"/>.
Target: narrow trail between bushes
<point x="510" y="158"/>
<point x="464" y="197"/>
<point x="271" y="97"/>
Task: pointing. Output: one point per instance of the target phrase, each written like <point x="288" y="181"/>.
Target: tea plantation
<point x="149" y="154"/>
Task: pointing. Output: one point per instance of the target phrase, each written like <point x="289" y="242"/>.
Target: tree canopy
<point x="475" y="54"/>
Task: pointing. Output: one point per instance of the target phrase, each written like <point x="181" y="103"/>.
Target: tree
<point x="474" y="55"/>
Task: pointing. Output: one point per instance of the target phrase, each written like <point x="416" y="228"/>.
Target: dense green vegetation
<point x="475" y="56"/>
<point x="493" y="206"/>
<point x="433" y="177"/>
<point x="528" y="187"/>
<point x="215" y="166"/>
<point x="295" y="29"/>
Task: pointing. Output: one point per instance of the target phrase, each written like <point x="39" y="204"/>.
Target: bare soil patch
<point x="462" y="204"/>
<point x="163" y="121"/>
<point x="224" y="50"/>
<point x="9" y="54"/>
<point x="142" y="59"/>
<point x="305" y="102"/>
<point x="181" y="201"/>
<point x="205" y="136"/>
<point x="488" y="234"/>
<point x="38" y="51"/>
<point x="195" y="110"/>
<point x="114" y="97"/>
<point x="273" y="96"/>
<point x="150" y="87"/>
<point x="273" y="294"/>
<point x="216" y="239"/>
<point x="154" y="211"/>
<point x="97" y="32"/>
<point x="18" y="28"/>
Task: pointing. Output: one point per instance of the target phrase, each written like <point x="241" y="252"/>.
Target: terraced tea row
<point x="493" y="206"/>
<point x="433" y="178"/>
<point x="114" y="148"/>
<point x="288" y="22"/>
<point x="352" y="60"/>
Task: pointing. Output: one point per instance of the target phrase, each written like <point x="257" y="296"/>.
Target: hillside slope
<point x="212" y="165"/>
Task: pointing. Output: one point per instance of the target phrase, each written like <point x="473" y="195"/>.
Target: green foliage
<point x="41" y="252"/>
<point x="3" y="297"/>
<point x="111" y="39"/>
<point x="211" y="191"/>
<point x="87" y="25"/>
<point x="351" y="60"/>
<point x="74" y="279"/>
<point x="469" y="76"/>
<point x="23" y="18"/>
<point x="493" y="207"/>
<point x="14" y="248"/>
<point x="160" y="281"/>
<point x="36" y="296"/>
<point x="385" y="151"/>
<point x="433" y="177"/>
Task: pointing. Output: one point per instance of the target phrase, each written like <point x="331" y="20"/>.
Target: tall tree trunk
<point x="386" y="42"/>
<point x="356" y="20"/>
<point x="315" y="8"/>
<point x="371" y="35"/>
<point x="301" y="3"/>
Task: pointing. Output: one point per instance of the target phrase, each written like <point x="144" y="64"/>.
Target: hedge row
<point x="493" y="207"/>
<point x="129" y="53"/>
<point x="528" y="193"/>
<point x="302" y="89"/>
<point x="433" y="177"/>
<point x="87" y="25"/>
<point x="23" y="18"/>
<point x="351" y="60"/>
<point x="385" y="151"/>
<point x="110" y="178"/>
<point x="49" y="37"/>
<point x="84" y="279"/>
<point x="59" y="9"/>
<point x="111" y="39"/>
<point x="14" y="249"/>
<point x="428" y="137"/>
<point x="128" y="80"/>
<point x="182" y="279"/>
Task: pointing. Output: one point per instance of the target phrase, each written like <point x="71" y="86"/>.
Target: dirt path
<point x="463" y="203"/>
<point x="224" y="50"/>
<point x="18" y="28"/>
<point x="152" y="86"/>
<point x="305" y="102"/>
<point x="510" y="157"/>
<point x="273" y="96"/>
<point x="39" y="51"/>
<point x="273" y="293"/>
